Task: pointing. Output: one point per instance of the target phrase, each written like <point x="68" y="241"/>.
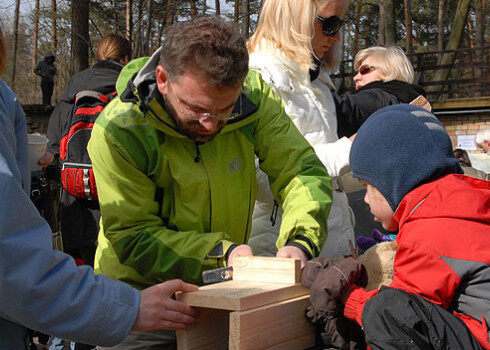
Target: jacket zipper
<point x="198" y="154"/>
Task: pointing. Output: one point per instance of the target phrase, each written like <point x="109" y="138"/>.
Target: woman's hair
<point x="289" y="26"/>
<point x="113" y="47"/>
<point x="392" y="61"/>
<point x="3" y="52"/>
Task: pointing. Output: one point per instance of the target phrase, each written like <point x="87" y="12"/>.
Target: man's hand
<point x="159" y="311"/>
<point x="292" y="252"/>
<point x="241" y="250"/>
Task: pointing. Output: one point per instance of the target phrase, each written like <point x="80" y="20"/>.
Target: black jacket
<point x="354" y="108"/>
<point x="79" y="218"/>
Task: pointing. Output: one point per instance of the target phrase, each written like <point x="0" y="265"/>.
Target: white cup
<point x="35" y="150"/>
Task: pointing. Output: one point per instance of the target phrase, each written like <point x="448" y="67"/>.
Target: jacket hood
<point x="49" y="54"/>
<point x="101" y="77"/>
<point x="451" y="190"/>
<point x="275" y="74"/>
<point x="137" y="84"/>
<point x="405" y="92"/>
<point x="399" y="148"/>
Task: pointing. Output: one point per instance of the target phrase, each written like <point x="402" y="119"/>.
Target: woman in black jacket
<point x="79" y="218"/>
<point x="384" y="77"/>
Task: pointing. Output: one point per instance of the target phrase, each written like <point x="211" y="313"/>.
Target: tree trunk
<point x="237" y="11"/>
<point x="382" y="21"/>
<point x="170" y="13"/>
<point x="16" y="39"/>
<point x="129" y="21"/>
<point x="204" y="7"/>
<point x="453" y="42"/>
<point x="480" y="11"/>
<point x="54" y="36"/>
<point x="356" y="32"/>
<point x="217" y="6"/>
<point x="79" y="35"/>
<point x="245" y="18"/>
<point x="440" y="27"/>
<point x="193" y="8"/>
<point x="408" y="21"/>
<point x="390" y="31"/>
<point x="35" y="34"/>
<point x="148" y="46"/>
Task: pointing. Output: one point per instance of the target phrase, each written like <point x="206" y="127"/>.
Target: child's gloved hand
<point x="365" y="242"/>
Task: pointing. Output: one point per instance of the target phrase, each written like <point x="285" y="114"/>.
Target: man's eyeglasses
<point x="330" y="25"/>
<point x="366" y="68"/>
<point x="192" y="115"/>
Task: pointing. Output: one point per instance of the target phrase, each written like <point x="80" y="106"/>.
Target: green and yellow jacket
<point x="172" y="208"/>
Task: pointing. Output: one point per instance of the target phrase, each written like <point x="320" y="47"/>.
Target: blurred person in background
<point x="47" y="71"/>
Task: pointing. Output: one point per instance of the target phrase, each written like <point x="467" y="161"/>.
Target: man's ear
<point x="162" y="81"/>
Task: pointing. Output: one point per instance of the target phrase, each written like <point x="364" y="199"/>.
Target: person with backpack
<point x="79" y="215"/>
<point x="79" y="218"/>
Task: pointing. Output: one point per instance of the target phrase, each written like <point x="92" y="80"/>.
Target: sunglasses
<point x="330" y="25"/>
<point x="365" y="69"/>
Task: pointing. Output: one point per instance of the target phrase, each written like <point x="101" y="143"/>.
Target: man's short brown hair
<point x="205" y="44"/>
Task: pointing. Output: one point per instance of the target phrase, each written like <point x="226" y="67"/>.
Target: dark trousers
<point x="47" y="90"/>
<point x="394" y="319"/>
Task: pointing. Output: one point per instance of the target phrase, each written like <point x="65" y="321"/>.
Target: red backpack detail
<point x="77" y="176"/>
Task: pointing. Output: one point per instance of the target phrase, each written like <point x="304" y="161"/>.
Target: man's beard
<point x="190" y="131"/>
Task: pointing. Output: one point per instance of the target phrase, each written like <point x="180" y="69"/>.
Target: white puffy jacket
<point x="312" y="109"/>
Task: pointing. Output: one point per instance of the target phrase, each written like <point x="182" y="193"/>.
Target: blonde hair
<point x="113" y="47"/>
<point x="392" y="61"/>
<point x="3" y="52"/>
<point x="289" y="26"/>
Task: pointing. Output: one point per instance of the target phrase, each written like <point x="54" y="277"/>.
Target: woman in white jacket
<point x="295" y="46"/>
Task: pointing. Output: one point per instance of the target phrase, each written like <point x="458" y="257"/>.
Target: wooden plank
<point x="209" y="333"/>
<point x="266" y="269"/>
<point x="241" y="295"/>
<point x="281" y="325"/>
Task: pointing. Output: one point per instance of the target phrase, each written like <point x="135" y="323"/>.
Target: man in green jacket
<point x="174" y="162"/>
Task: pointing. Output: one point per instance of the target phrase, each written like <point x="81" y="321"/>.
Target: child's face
<point x="380" y="208"/>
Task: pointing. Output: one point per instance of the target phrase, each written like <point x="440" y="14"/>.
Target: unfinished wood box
<point x="263" y="307"/>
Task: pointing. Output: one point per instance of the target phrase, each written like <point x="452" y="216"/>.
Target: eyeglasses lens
<point x="330" y="25"/>
<point x="366" y="69"/>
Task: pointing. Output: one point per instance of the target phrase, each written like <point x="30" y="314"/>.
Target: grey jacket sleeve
<point x="41" y="288"/>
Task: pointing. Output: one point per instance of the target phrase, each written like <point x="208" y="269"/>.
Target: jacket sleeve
<point x="354" y="108"/>
<point x="298" y="178"/>
<point x="41" y="288"/>
<point x="133" y="226"/>
<point x="58" y="125"/>
<point x="38" y="68"/>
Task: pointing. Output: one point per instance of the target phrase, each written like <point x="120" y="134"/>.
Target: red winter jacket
<point x="443" y="251"/>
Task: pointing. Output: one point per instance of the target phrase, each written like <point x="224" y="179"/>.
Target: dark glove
<point x="313" y="267"/>
<point x="332" y="283"/>
<point x="332" y="286"/>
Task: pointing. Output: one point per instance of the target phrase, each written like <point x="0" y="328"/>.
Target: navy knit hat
<point x="399" y="148"/>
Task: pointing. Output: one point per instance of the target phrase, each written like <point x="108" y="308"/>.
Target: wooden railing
<point x="468" y="76"/>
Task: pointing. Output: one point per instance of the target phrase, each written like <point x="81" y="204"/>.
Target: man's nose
<point x="209" y="123"/>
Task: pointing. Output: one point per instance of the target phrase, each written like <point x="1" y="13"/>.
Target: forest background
<point x="72" y="29"/>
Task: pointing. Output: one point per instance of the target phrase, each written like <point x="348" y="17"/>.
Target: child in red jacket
<point x="440" y="294"/>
